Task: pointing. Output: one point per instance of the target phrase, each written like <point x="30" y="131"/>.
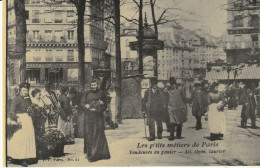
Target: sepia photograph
<point x="91" y="83"/>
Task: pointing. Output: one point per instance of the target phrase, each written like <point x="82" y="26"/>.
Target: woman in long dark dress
<point x="39" y="116"/>
<point x="95" y="142"/>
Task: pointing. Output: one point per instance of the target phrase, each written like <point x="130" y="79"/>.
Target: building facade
<point x="242" y="41"/>
<point x="129" y="58"/>
<point x="187" y="53"/>
<point x="177" y="57"/>
<point x="52" y="53"/>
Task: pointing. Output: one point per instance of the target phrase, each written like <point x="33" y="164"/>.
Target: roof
<point x="149" y="33"/>
<point x="248" y="72"/>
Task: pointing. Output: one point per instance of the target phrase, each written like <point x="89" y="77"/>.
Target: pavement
<point x="129" y="147"/>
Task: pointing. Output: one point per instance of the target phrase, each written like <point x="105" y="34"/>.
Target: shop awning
<point x="248" y="72"/>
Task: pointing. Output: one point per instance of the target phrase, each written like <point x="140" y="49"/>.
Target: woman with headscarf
<point x="215" y="115"/>
<point x="21" y="146"/>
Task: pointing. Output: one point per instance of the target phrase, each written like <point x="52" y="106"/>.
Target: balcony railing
<point x="53" y="39"/>
<point x="241" y="45"/>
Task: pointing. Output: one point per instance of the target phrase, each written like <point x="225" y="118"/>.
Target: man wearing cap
<point x="199" y="101"/>
<point x="154" y="105"/>
<point x="21" y="146"/>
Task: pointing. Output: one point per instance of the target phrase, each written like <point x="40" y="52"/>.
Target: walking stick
<point x="145" y="126"/>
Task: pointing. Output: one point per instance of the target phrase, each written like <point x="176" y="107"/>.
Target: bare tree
<point x="20" y="16"/>
<point x="118" y="59"/>
<point x="81" y="7"/>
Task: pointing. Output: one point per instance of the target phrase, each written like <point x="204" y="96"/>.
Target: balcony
<point x="243" y="30"/>
<point x="53" y="39"/>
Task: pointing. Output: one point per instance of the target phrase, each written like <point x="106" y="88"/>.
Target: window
<point x="238" y="21"/>
<point x="70" y="13"/>
<point x="126" y="43"/>
<point x="35" y="16"/>
<point x="254" y="20"/>
<point x="48" y="56"/>
<point x="27" y="15"/>
<point x="71" y="34"/>
<point x="59" y="56"/>
<point x="238" y="3"/>
<point x="58" y="35"/>
<point x="48" y="35"/>
<point x="37" y="58"/>
<point x="255" y="40"/>
<point x="48" y="16"/>
<point x="70" y="55"/>
<point x="33" y="75"/>
<point x="127" y="54"/>
<point x="58" y="16"/>
<point x="35" y="1"/>
<point x="27" y="1"/>
<point x="27" y="34"/>
<point x="35" y="34"/>
<point x="253" y="2"/>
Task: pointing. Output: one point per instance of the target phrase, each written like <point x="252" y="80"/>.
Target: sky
<point x="204" y="13"/>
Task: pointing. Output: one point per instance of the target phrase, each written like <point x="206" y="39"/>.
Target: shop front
<point x="38" y="74"/>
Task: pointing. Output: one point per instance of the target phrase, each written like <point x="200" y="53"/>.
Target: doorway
<point x="54" y="75"/>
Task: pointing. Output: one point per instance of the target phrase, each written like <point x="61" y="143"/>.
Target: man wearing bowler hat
<point x="154" y="105"/>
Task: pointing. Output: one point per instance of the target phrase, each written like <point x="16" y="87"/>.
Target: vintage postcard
<point x="131" y="83"/>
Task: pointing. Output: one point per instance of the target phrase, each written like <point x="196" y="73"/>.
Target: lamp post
<point x="232" y="68"/>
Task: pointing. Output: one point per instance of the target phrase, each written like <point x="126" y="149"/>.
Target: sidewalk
<point x="239" y="146"/>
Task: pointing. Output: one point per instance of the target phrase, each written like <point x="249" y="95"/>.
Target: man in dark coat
<point x="199" y="102"/>
<point x="65" y="118"/>
<point x="248" y="109"/>
<point x="155" y="107"/>
<point x="95" y="143"/>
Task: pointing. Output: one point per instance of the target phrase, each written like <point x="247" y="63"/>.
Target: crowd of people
<point x="81" y="115"/>
<point x="65" y="109"/>
<point x="170" y="103"/>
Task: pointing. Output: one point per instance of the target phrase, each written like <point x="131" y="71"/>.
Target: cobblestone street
<point x="235" y="149"/>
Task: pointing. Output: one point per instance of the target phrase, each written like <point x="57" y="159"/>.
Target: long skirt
<point x="67" y="128"/>
<point x="95" y="142"/>
<point x="22" y="144"/>
<point x="216" y="120"/>
<point x="80" y="131"/>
